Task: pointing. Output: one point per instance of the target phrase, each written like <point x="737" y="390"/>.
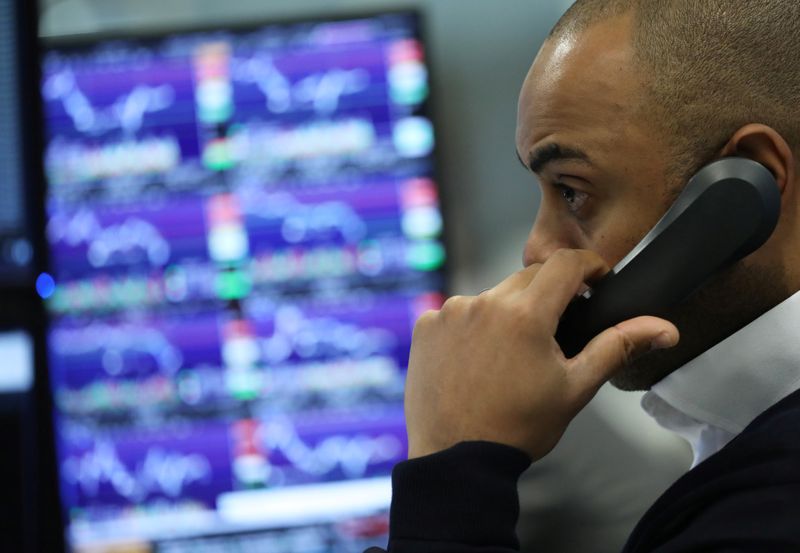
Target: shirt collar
<point x="732" y="383"/>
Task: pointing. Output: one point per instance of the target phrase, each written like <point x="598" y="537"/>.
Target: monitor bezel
<point x="23" y="309"/>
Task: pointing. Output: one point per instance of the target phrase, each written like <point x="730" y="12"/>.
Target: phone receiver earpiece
<point x="727" y="210"/>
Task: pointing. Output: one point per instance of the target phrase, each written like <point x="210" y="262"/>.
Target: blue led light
<point x="45" y="285"/>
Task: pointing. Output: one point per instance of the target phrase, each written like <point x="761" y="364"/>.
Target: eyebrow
<point x="549" y="153"/>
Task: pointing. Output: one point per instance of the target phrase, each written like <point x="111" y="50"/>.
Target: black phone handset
<point x="727" y="210"/>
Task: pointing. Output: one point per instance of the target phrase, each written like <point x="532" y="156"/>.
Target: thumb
<point x="616" y="347"/>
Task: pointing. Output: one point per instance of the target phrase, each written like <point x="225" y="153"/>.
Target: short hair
<point x="710" y="66"/>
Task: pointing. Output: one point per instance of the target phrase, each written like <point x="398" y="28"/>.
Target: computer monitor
<point x="16" y="382"/>
<point x="243" y="225"/>
<point x="16" y="352"/>
<point x="26" y="474"/>
<point x="17" y="63"/>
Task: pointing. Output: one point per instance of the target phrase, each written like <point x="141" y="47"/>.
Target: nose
<point x="545" y="238"/>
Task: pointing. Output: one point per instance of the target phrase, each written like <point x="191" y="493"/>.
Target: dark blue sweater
<point x="745" y="498"/>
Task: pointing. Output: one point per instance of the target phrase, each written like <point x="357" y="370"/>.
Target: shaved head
<point x="709" y="67"/>
<point x="624" y="102"/>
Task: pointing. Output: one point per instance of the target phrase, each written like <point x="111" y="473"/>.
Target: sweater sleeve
<point x="463" y="499"/>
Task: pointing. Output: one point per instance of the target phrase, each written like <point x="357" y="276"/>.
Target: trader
<point x="624" y="102"/>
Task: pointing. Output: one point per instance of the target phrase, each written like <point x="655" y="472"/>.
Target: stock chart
<point x="244" y="226"/>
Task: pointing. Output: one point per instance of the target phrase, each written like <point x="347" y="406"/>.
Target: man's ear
<point x="765" y="145"/>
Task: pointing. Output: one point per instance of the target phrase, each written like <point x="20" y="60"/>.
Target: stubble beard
<point x="728" y="302"/>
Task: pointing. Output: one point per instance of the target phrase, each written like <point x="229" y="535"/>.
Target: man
<point x="624" y="102"/>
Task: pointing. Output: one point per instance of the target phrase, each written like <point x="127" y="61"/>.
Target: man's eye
<point x="573" y="198"/>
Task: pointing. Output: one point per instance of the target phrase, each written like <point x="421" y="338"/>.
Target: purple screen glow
<point x="244" y="227"/>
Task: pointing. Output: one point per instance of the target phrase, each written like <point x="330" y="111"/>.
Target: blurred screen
<point x="16" y="252"/>
<point x="243" y="228"/>
<point x="16" y="369"/>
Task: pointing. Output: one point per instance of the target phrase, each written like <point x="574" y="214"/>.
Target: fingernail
<point x="663" y="341"/>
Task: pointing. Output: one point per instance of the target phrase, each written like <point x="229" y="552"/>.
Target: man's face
<point x="604" y="176"/>
<point x="600" y="170"/>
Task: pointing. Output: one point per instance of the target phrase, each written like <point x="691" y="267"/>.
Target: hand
<point x="488" y="368"/>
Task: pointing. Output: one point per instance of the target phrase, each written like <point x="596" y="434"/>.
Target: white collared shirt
<point x="712" y="398"/>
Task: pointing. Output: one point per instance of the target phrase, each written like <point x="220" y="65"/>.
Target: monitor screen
<point x="16" y="353"/>
<point x="16" y="250"/>
<point x="244" y="226"/>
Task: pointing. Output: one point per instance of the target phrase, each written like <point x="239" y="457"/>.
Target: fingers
<point x="616" y="347"/>
<point x="558" y="281"/>
<point x="523" y="278"/>
<point x="517" y="281"/>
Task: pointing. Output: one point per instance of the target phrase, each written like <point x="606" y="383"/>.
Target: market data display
<point x="243" y="228"/>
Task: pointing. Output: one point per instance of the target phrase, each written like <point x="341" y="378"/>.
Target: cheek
<point x="617" y="232"/>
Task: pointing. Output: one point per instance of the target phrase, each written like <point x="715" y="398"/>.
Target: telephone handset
<point x="727" y="210"/>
